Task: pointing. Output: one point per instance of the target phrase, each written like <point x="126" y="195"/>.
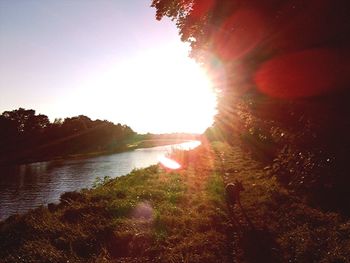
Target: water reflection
<point x="27" y="186"/>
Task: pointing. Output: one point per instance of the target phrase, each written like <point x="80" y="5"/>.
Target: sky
<point x="104" y="59"/>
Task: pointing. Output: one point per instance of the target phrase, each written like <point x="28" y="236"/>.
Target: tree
<point x="26" y="121"/>
<point x="8" y="128"/>
<point x="285" y="91"/>
<point x="248" y="39"/>
<point x="38" y="122"/>
<point x="58" y="122"/>
<point x="264" y="51"/>
<point x="76" y="124"/>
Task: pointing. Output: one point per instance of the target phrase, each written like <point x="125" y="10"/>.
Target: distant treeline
<point x="26" y="136"/>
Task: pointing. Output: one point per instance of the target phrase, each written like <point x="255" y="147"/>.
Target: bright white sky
<point x="104" y="59"/>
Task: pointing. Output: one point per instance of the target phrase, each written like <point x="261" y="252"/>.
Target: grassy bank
<point x="149" y="215"/>
<point x="158" y="215"/>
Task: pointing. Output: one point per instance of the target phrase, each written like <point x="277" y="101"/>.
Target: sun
<point x="158" y="91"/>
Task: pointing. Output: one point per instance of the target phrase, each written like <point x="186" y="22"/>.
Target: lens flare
<point x="169" y="163"/>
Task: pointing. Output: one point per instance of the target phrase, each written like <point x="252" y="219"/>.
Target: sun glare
<point x="169" y="163"/>
<point x="155" y="91"/>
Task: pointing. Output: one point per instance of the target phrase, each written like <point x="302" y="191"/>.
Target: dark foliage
<point x="26" y="136"/>
<point x="282" y="71"/>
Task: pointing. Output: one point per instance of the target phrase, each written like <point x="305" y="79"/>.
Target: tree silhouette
<point x="8" y="128"/>
<point x="26" y="121"/>
<point x="282" y="68"/>
<point x="27" y="136"/>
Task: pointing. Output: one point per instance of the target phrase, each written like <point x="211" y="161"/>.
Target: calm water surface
<point x="28" y="186"/>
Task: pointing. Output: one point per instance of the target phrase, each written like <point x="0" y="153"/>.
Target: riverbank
<point x="127" y="147"/>
<point x="159" y="215"/>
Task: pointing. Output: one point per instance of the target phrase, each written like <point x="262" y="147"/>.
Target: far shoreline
<point x="149" y="143"/>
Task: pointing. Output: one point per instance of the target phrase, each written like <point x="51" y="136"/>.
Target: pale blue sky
<point x="98" y="58"/>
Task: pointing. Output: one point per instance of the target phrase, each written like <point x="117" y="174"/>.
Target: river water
<point x="24" y="187"/>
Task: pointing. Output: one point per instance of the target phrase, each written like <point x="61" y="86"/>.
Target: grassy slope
<point x="149" y="215"/>
<point x="285" y="228"/>
<point x="156" y="215"/>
